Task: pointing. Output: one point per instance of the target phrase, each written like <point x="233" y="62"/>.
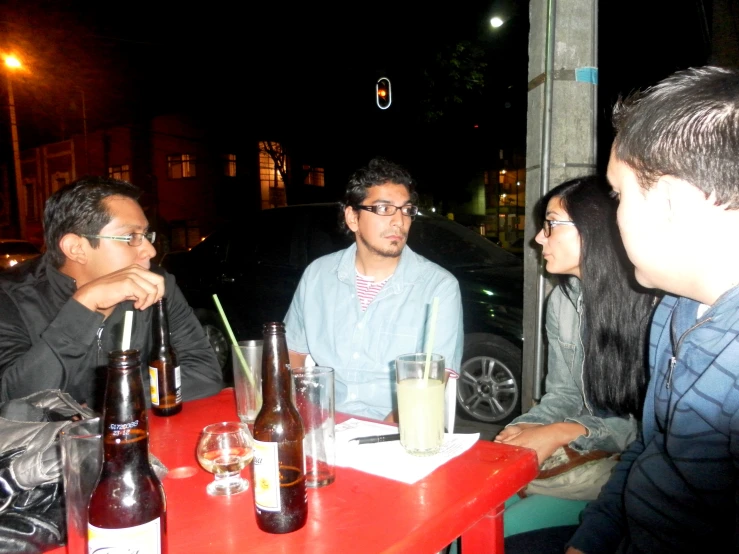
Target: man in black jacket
<point x="61" y="313"/>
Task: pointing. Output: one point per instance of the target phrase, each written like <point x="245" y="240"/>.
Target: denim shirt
<point x="326" y="321"/>
<point x="565" y="398"/>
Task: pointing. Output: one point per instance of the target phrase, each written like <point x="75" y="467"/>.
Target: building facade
<point x="193" y="178"/>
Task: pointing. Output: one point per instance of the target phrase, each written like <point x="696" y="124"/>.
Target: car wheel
<point x="489" y="386"/>
<point x="217" y="339"/>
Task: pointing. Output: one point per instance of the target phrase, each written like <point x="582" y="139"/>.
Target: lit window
<point x="181" y="166"/>
<point x="120" y="172"/>
<point x="313" y="176"/>
<point x="272" y="172"/>
<point x="229" y="165"/>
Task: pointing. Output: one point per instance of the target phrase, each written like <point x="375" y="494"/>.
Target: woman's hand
<point x="513" y="430"/>
<point x="545" y="439"/>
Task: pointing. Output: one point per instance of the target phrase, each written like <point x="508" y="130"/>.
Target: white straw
<point x="127" y="324"/>
<point x="430" y="337"/>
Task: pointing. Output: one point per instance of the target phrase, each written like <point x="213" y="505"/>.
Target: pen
<point x="376" y="438"/>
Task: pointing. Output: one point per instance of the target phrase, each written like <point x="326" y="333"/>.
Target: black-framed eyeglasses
<point x="550" y="224"/>
<point x="133" y="239"/>
<point x="388" y="209"/>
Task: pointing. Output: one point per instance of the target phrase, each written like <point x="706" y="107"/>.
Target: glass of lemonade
<point x="420" y="403"/>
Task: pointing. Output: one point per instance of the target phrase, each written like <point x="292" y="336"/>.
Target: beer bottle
<point x="164" y="373"/>
<point x="127" y="510"/>
<point x="280" y="498"/>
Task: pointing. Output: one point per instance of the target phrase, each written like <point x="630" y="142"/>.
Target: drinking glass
<point x="82" y="459"/>
<point x="314" y="397"/>
<point x="421" y="402"/>
<point x="248" y="392"/>
<point x="224" y="449"/>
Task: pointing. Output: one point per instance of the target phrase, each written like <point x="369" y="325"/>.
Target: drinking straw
<point x="236" y="349"/>
<point x="430" y="337"/>
<point x="127" y="325"/>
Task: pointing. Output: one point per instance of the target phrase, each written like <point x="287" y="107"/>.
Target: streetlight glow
<point x="12" y="62"/>
<point x="496" y="22"/>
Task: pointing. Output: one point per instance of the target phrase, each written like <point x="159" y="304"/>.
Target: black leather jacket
<point x="50" y="341"/>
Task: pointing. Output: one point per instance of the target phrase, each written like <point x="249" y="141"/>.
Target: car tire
<point x="489" y="386"/>
<point x="218" y="341"/>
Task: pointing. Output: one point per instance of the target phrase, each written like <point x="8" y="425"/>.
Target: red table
<point x="358" y="513"/>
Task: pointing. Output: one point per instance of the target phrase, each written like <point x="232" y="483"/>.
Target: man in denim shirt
<point x="356" y="310"/>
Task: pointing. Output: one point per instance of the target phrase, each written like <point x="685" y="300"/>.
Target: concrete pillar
<point x="560" y="142"/>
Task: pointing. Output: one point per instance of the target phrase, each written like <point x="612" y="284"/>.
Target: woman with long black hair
<point x="596" y="322"/>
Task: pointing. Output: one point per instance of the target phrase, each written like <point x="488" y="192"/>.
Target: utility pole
<point x="19" y="189"/>
<point x="560" y="142"/>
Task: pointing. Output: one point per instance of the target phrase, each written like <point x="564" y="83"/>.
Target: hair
<point x="79" y="208"/>
<point x="616" y="310"/>
<point x="379" y="171"/>
<point x="686" y="126"/>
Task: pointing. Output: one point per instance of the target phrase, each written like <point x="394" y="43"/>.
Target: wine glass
<point x="224" y="449"/>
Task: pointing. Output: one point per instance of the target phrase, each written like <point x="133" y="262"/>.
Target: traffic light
<point x="383" y="95"/>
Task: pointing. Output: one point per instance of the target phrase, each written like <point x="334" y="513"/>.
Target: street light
<point x="496" y="22"/>
<point x="14" y="64"/>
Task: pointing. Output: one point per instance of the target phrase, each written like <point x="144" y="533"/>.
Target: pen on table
<point x="376" y="438"/>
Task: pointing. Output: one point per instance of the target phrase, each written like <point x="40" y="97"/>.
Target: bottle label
<point x="178" y="384"/>
<point x="143" y="539"/>
<point x="154" y="385"/>
<point x="266" y="476"/>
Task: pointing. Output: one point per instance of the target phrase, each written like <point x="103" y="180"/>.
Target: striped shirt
<point x="367" y="289"/>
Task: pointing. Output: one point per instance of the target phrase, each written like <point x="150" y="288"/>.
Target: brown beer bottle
<point x="127" y="510"/>
<point x="164" y="372"/>
<point x="280" y="498"/>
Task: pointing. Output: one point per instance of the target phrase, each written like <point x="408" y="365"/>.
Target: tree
<point x="455" y="76"/>
<point x="278" y="155"/>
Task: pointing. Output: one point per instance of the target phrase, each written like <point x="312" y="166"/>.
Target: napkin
<point x="389" y="459"/>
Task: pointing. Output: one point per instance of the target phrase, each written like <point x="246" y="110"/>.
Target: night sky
<point x="307" y="73"/>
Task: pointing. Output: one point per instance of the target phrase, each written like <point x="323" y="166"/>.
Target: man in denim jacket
<point x="356" y="310"/>
<point x="675" y="168"/>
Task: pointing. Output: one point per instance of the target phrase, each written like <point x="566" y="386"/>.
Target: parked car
<point x="516" y="247"/>
<point x="254" y="267"/>
<point x="13" y="251"/>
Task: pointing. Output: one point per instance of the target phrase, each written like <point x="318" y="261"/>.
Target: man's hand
<point x="572" y="550"/>
<point x="130" y="283"/>
<point x="545" y="439"/>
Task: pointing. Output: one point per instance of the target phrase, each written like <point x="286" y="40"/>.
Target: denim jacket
<point x="564" y="399"/>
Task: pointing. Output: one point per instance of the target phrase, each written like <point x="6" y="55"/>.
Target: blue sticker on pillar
<point x="587" y="75"/>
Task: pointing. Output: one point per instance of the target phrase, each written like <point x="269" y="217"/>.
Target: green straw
<point x="430" y="338"/>
<point x="236" y="349"/>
